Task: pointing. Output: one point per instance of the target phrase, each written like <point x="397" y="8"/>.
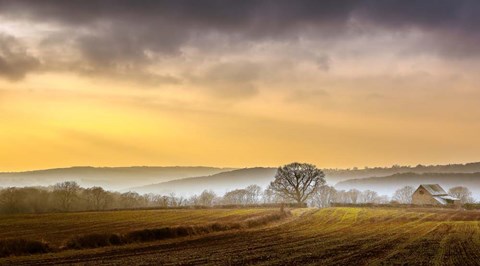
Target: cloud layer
<point x="135" y="36"/>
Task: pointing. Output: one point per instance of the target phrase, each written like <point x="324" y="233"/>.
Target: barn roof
<point x="440" y="200"/>
<point x="434" y="189"/>
<point x="449" y="198"/>
<point x="443" y="199"/>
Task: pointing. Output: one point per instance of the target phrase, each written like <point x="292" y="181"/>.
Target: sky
<point x="238" y="83"/>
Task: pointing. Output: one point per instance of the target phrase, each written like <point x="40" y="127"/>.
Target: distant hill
<point x="388" y="184"/>
<point x="114" y="178"/>
<point x="220" y="183"/>
<point x="155" y="179"/>
<point x="338" y="175"/>
<point x="262" y="176"/>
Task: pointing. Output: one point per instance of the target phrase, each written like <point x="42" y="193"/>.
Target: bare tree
<point x="181" y="201"/>
<point x="324" y="196"/>
<point x="237" y="196"/>
<point x="270" y="196"/>
<point x="66" y="193"/>
<point x="11" y="199"/>
<point x="97" y="198"/>
<point x="194" y="200"/>
<point x="173" y="200"/>
<point x="206" y="198"/>
<point x="36" y="200"/>
<point x="404" y="195"/>
<point x="254" y="194"/>
<point x="342" y="197"/>
<point x="130" y="200"/>
<point x="353" y="195"/>
<point x="462" y="193"/>
<point x="163" y="201"/>
<point x="297" y="181"/>
<point x="368" y="196"/>
<point x="381" y="199"/>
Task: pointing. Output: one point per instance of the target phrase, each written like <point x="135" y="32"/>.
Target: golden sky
<point x="187" y="86"/>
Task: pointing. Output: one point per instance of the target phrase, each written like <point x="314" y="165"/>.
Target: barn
<point x="433" y="194"/>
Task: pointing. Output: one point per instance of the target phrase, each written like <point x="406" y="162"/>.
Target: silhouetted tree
<point x="181" y="201"/>
<point x="462" y="193"/>
<point x="297" y="181"/>
<point x="66" y="193"/>
<point x="11" y="200"/>
<point x="237" y="196"/>
<point x="163" y="201"/>
<point x="97" y="198"/>
<point x="36" y="200"/>
<point x="353" y="195"/>
<point x="342" y="197"/>
<point x="173" y="200"/>
<point x="254" y="193"/>
<point x="324" y="196"/>
<point x="194" y="200"/>
<point x="368" y="196"/>
<point x="271" y="196"/>
<point x="206" y="198"/>
<point x="131" y="200"/>
<point x="404" y="195"/>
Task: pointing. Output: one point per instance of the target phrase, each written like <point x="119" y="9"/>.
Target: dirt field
<point x="333" y="236"/>
<point x="56" y="228"/>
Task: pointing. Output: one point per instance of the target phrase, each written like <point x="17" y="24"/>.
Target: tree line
<point x="293" y="183"/>
<point x="69" y="196"/>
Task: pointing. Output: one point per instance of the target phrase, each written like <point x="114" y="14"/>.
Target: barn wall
<point x="423" y="199"/>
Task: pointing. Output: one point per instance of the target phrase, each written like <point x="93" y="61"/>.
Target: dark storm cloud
<point x="15" y="62"/>
<point x="109" y="32"/>
<point x="461" y="14"/>
<point x="253" y="18"/>
<point x="119" y="34"/>
<point x="451" y="28"/>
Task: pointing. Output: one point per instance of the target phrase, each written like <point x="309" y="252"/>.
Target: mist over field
<point x="188" y="181"/>
<point x="112" y="178"/>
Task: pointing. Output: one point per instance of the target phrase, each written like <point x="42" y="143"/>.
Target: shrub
<point x="184" y="231"/>
<point x="219" y="227"/>
<point x="265" y="219"/>
<point x="10" y="247"/>
<point x="150" y="234"/>
<point x="145" y="235"/>
<point x="235" y="226"/>
<point x="169" y="232"/>
<point x="94" y="241"/>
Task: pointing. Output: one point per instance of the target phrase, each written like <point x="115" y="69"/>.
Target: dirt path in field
<point x="310" y="237"/>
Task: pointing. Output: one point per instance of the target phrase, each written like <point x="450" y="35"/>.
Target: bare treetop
<point x="298" y="181"/>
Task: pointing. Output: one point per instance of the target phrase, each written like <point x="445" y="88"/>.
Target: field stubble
<point x="332" y="236"/>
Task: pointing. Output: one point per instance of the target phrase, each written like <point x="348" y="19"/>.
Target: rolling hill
<point x="388" y="184"/>
<point x="338" y="175"/>
<point x="114" y="178"/>
<point x="192" y="180"/>
<point x="345" y="178"/>
<point x="220" y="183"/>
